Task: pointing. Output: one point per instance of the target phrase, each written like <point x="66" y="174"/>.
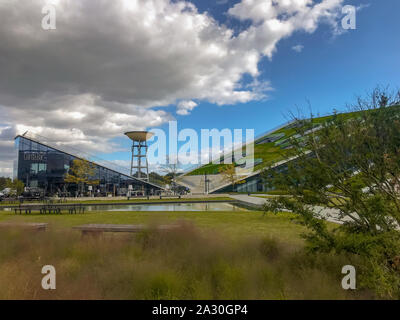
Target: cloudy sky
<point x="116" y="65"/>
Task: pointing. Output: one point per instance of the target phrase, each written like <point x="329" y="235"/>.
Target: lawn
<point x="265" y="196"/>
<point x="232" y="224"/>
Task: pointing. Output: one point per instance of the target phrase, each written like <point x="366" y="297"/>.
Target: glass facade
<point x="44" y="167"/>
<point x="254" y="183"/>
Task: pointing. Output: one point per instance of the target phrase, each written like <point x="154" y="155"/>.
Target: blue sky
<point x="329" y="73"/>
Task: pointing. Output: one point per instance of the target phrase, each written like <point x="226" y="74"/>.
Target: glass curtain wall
<point x="40" y="166"/>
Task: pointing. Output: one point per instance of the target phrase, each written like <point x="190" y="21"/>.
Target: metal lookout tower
<point x="139" y="163"/>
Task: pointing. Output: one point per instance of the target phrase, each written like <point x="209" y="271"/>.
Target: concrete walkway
<point x="329" y="214"/>
<point x="196" y="183"/>
<point x="248" y="199"/>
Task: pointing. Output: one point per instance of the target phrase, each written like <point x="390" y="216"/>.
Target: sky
<point x="116" y="66"/>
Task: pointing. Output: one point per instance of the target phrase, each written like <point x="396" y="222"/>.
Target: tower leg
<point x="133" y="150"/>
<point x="139" y="151"/>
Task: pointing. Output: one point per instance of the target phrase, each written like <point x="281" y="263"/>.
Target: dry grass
<point x="185" y="264"/>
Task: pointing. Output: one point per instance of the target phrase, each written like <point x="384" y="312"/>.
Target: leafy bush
<point x="351" y="164"/>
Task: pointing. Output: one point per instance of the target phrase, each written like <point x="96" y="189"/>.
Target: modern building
<point x="40" y="165"/>
<point x="268" y="147"/>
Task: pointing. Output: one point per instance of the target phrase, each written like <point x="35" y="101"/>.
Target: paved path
<point x="328" y="214"/>
<point x="249" y="200"/>
<point x="196" y="183"/>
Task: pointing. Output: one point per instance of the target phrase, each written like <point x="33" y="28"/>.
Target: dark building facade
<point x="41" y="166"/>
<point x="253" y="183"/>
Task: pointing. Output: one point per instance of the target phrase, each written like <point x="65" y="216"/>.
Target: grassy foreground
<point x="213" y="255"/>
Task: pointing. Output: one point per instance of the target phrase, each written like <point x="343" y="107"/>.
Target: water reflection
<point x="220" y="206"/>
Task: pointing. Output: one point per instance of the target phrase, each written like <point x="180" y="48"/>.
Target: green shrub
<point x="357" y="160"/>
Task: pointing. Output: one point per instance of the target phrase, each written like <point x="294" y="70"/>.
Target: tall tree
<point x="171" y="170"/>
<point x="229" y="175"/>
<point x="18" y="186"/>
<point x="81" y="173"/>
<point x="4" y="182"/>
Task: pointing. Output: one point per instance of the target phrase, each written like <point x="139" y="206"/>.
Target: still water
<point x="216" y="206"/>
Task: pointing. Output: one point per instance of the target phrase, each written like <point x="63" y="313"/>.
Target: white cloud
<point x="273" y="21"/>
<point x="6" y="151"/>
<point x="6" y="169"/>
<point x="185" y="107"/>
<point x="298" y="48"/>
<point x="86" y="114"/>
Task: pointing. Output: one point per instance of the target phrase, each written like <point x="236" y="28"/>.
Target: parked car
<point x="8" y="192"/>
<point x="33" y="193"/>
<point x="181" y="190"/>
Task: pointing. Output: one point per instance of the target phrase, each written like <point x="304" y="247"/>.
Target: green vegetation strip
<point x="270" y="152"/>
